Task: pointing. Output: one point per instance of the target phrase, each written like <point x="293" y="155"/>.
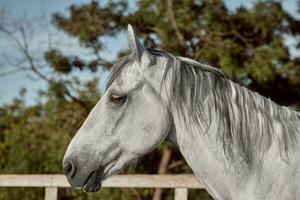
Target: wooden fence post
<point x="51" y="193"/>
<point x="181" y="194"/>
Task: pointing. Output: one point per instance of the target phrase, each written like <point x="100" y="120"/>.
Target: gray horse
<point x="239" y="144"/>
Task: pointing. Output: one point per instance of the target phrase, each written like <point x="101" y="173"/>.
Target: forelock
<point x="117" y="69"/>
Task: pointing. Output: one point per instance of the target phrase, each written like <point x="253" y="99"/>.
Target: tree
<point x="247" y="44"/>
<point x="34" y="138"/>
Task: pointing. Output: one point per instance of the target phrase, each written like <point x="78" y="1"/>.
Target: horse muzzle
<point x="78" y="178"/>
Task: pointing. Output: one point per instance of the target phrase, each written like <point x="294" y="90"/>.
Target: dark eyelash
<point x="117" y="99"/>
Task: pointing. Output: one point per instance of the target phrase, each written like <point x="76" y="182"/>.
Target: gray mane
<point x="246" y="120"/>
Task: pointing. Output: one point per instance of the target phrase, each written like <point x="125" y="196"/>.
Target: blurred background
<point x="55" y="57"/>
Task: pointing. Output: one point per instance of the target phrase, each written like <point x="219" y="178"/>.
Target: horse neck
<point x="204" y="153"/>
<point x="199" y="152"/>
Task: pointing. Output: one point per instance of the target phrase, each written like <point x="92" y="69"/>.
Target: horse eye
<point x="116" y="99"/>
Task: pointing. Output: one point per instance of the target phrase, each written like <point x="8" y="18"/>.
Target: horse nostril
<point x="69" y="169"/>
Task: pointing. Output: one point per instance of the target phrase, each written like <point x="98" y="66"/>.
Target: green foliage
<point x="246" y="44"/>
<point x="34" y="138"/>
<point x="64" y="64"/>
<point x="58" y="61"/>
<point x="89" y="22"/>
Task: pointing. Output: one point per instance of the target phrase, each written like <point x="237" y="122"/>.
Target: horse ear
<point x="134" y="44"/>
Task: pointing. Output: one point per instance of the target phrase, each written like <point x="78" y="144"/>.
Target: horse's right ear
<point x="134" y="44"/>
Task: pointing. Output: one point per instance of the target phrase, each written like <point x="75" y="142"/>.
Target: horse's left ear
<point x="136" y="46"/>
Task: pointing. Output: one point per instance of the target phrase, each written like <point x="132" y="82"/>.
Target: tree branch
<point x="238" y="35"/>
<point x="232" y="32"/>
<point x="155" y="29"/>
<point x="23" y="46"/>
<point x="175" y="164"/>
<point x="13" y="71"/>
<point x="174" y="23"/>
<point x="162" y="169"/>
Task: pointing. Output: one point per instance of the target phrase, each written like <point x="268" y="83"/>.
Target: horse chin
<point x="94" y="181"/>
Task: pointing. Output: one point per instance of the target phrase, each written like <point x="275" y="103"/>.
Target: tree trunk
<point x="163" y="166"/>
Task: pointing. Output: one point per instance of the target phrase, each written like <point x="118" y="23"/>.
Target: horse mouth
<point x="94" y="181"/>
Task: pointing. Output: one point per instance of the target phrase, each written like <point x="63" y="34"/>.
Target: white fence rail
<point x="180" y="183"/>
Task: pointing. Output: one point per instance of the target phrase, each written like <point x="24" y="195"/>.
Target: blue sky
<point x="10" y="85"/>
